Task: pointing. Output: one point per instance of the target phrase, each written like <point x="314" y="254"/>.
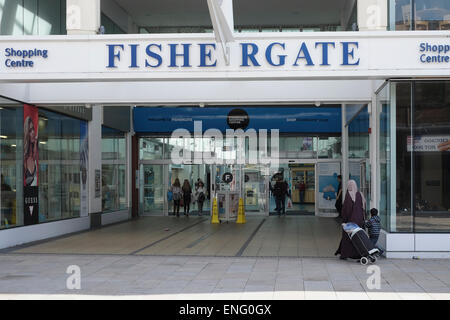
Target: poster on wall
<point x="328" y="184"/>
<point x="30" y="165"/>
<point x="84" y="156"/>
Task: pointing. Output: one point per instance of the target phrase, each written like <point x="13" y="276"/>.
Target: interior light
<point x="4" y="137"/>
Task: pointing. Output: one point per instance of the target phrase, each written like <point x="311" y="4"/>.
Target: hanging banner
<point x="84" y="157"/>
<point x="328" y="183"/>
<point x="30" y="165"/>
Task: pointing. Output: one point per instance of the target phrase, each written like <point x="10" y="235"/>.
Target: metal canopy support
<point x="222" y="30"/>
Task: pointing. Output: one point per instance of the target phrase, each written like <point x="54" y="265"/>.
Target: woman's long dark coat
<point x="351" y="212"/>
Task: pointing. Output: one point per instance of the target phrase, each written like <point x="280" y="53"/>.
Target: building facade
<point x="92" y="92"/>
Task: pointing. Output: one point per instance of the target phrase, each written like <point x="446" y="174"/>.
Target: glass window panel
<point x="151" y="148"/>
<point x="59" y="166"/>
<point x="403" y="217"/>
<point x="151" y="191"/>
<point x="11" y="161"/>
<point x="384" y="108"/>
<point x="329" y="148"/>
<point x="432" y="15"/>
<point x="431" y="156"/>
<point x="358" y="135"/>
<point x="114" y="196"/>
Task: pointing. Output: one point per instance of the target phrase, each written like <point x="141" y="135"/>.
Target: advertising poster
<point x="84" y="156"/>
<point x="328" y="187"/>
<point x="30" y="165"/>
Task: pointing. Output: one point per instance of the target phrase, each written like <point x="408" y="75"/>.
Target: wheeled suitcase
<point x="363" y="246"/>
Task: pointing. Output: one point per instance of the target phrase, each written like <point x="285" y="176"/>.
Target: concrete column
<point x="372" y="15"/>
<point x="83" y="16"/>
<point x="95" y="162"/>
<point x="227" y="8"/>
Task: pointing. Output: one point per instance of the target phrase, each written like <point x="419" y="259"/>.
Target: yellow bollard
<point x="215" y="212"/>
<point x="241" y="212"/>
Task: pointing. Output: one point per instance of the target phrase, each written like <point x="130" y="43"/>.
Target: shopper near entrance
<point x="352" y="211"/>
<point x="200" y="195"/>
<point x="187" y="196"/>
<point x="302" y="189"/>
<point x="280" y="191"/>
<point x="176" y="196"/>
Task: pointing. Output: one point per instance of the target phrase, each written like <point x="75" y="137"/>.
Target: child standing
<point x="373" y="226"/>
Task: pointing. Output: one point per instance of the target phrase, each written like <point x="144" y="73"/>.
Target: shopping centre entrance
<point x="306" y="153"/>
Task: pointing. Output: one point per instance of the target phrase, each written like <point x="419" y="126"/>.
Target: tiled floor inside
<point x="286" y="236"/>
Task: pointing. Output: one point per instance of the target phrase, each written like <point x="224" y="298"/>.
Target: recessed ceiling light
<point x="4" y="137"/>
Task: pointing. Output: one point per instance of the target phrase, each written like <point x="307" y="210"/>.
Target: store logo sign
<point x="275" y="54"/>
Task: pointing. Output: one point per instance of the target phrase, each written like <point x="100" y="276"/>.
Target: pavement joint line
<point x="245" y="245"/>
<point x="167" y="237"/>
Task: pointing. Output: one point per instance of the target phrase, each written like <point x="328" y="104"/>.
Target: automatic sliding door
<point x="151" y="190"/>
<point x="300" y="178"/>
<point x="255" y="189"/>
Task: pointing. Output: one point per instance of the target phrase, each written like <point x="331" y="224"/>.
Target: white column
<point x="83" y="16"/>
<point x="95" y="157"/>
<point x="227" y="8"/>
<point x="373" y="147"/>
<point x="372" y="15"/>
<point x="344" y="146"/>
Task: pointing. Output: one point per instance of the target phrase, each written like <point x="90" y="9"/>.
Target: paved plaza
<point x="24" y="276"/>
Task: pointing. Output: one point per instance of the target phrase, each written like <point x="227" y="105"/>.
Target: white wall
<point x="409" y="245"/>
<point x="194" y="92"/>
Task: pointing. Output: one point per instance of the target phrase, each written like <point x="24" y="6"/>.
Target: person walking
<point x="187" y="196"/>
<point x="201" y="196"/>
<point x="302" y="189"/>
<point x="176" y="196"/>
<point x="352" y="211"/>
<point x="280" y="190"/>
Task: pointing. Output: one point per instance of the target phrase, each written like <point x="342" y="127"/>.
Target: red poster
<point x="30" y="165"/>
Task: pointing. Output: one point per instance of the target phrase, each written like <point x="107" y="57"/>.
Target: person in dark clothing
<point x="373" y="226"/>
<point x="187" y="192"/>
<point x="338" y="204"/>
<point x="352" y="211"/>
<point x="5" y="186"/>
<point x="302" y="189"/>
<point x="280" y="190"/>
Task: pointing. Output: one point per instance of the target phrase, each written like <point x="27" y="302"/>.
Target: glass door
<point x="300" y="178"/>
<point x="196" y="175"/>
<point x="255" y="189"/>
<point x="152" y="193"/>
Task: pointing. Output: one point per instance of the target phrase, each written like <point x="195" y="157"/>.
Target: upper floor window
<point x="420" y="15"/>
